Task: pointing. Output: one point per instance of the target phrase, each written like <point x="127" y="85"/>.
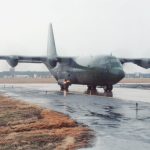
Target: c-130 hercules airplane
<point x="96" y="71"/>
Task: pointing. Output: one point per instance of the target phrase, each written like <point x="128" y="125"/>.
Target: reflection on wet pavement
<point x="117" y="122"/>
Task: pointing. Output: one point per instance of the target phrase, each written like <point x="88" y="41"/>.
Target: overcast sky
<point x="81" y="27"/>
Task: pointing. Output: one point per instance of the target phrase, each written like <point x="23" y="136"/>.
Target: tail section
<point x="51" y="48"/>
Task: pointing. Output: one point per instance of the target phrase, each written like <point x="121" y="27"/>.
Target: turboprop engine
<point x="13" y="61"/>
<point x="52" y="62"/>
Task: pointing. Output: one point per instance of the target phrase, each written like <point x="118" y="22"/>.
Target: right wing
<point x="14" y="60"/>
<point x="143" y="62"/>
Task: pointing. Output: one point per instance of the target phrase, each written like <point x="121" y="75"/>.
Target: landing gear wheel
<point x="108" y="88"/>
<point x="91" y="90"/>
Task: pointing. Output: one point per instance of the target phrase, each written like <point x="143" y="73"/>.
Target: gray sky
<point x="81" y="27"/>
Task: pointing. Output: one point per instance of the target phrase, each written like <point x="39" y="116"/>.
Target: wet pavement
<point x="117" y="123"/>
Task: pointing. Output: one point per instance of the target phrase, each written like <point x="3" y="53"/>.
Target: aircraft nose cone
<point x="118" y="73"/>
<point x="121" y="73"/>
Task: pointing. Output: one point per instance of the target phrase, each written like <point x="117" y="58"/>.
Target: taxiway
<point x="117" y="122"/>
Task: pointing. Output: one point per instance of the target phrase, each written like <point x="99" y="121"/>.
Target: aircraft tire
<point x="108" y="88"/>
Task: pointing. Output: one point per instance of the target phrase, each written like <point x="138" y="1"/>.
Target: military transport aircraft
<point x="98" y="71"/>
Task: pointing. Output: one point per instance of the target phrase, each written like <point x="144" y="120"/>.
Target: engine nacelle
<point x="12" y="61"/>
<point x="52" y="62"/>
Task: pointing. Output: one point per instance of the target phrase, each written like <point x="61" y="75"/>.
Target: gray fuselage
<point x="98" y="71"/>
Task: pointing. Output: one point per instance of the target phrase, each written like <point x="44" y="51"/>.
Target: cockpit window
<point x="114" y="63"/>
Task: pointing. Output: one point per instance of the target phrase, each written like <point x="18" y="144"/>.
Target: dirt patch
<point x="26" y="80"/>
<point x="26" y="127"/>
<point x="135" y="80"/>
<point x="52" y="80"/>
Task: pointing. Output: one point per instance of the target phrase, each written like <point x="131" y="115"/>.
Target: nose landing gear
<point x="108" y="88"/>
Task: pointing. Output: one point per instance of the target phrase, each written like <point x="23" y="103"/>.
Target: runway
<point x="117" y="123"/>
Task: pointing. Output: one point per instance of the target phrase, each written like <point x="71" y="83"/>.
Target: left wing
<point x="14" y="60"/>
<point x="143" y="62"/>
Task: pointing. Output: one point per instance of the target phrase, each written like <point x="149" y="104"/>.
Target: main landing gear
<point x="91" y="90"/>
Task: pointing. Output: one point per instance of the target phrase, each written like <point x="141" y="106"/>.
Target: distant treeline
<point x="24" y="73"/>
<point x="138" y="75"/>
<point x="44" y="74"/>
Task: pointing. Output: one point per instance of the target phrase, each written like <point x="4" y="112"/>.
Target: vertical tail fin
<point x="51" y="48"/>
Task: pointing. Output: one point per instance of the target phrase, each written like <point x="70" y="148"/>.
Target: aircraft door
<point x="108" y="66"/>
<point x="107" y="70"/>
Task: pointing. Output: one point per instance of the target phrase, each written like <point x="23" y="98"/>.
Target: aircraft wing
<point x="14" y="60"/>
<point x="143" y="62"/>
<point x="24" y="59"/>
